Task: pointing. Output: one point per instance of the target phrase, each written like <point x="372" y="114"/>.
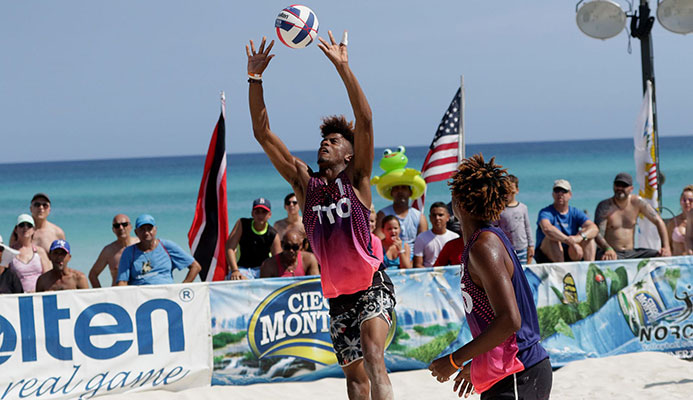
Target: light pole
<point x="603" y="19"/>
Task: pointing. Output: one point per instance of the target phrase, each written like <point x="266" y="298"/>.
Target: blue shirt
<point x="568" y="223"/>
<point x="153" y="267"/>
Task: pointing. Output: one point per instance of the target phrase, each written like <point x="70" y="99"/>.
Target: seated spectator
<point x="61" y="277"/>
<point x="451" y="253"/>
<point x="514" y="222"/>
<point x="412" y="221"/>
<point x="9" y="283"/>
<point x="256" y="240"/>
<point x="293" y="218"/>
<point x="396" y="252"/>
<point x="152" y="260"/>
<point x="376" y="243"/>
<point x="454" y="222"/>
<point x="45" y="232"/>
<point x="565" y="233"/>
<point x="617" y="218"/>
<point x="676" y="227"/>
<point x="110" y="255"/>
<point x="291" y="261"/>
<point x="429" y="244"/>
<point x="32" y="260"/>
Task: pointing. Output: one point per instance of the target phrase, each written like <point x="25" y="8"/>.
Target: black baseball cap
<point x="39" y="196"/>
<point x="624" y="178"/>
<point x="262" y="203"/>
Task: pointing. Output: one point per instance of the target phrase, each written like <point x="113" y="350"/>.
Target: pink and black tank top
<point x="519" y="351"/>
<point x="28" y="272"/>
<point x="337" y="227"/>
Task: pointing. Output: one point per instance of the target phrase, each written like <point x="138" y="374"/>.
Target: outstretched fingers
<point x="329" y="33"/>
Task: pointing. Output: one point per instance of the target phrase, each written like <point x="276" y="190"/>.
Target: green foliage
<point x="558" y="293"/>
<point x="435" y="330"/>
<point x="562" y="327"/>
<point x="643" y="263"/>
<point x="619" y="280"/>
<point x="222" y="339"/>
<point x="549" y="317"/>
<point x="249" y="356"/>
<point x="672" y="276"/>
<point x="428" y="351"/>
<point x="584" y="310"/>
<point x="597" y="291"/>
<point x="217" y="359"/>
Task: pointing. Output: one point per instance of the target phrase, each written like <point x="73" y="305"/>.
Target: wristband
<point x="257" y="77"/>
<point x="251" y="80"/>
<point x="609" y="248"/>
<point x="457" y="367"/>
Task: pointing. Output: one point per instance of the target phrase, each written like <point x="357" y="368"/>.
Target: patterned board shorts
<point x="345" y="327"/>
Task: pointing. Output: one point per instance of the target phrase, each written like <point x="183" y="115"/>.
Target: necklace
<point x="617" y="206"/>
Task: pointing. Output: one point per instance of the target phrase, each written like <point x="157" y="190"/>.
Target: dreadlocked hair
<point x="480" y="187"/>
<point x="338" y="124"/>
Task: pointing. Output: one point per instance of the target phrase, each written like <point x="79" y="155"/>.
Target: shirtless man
<point x="288" y="263"/>
<point x="110" y="255"/>
<point x="61" y="277"/>
<point x="45" y="232"/>
<point x="293" y="218"/>
<point x="617" y="217"/>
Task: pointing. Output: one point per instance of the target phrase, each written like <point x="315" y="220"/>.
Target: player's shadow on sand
<point x="649" y="385"/>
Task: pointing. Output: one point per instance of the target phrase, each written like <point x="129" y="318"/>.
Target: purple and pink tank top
<point x="519" y="351"/>
<point x="336" y="224"/>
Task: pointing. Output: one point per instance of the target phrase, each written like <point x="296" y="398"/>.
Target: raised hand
<point x="337" y="53"/>
<point x="258" y="60"/>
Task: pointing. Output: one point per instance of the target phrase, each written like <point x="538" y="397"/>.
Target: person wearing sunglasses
<point x="110" y="254"/>
<point x="617" y="218"/>
<point x="293" y="218"/>
<point x="31" y="260"/>
<point x="45" y="232"/>
<point x="565" y="233"/>
<point x="291" y="261"/>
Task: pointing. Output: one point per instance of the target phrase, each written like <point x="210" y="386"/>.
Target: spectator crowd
<point x="37" y="256"/>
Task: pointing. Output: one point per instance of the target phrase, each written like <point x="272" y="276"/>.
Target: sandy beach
<point x="630" y="376"/>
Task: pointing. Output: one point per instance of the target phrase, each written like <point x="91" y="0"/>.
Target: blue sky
<point x="93" y="79"/>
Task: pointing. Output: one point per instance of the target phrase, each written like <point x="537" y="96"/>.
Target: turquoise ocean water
<point x="86" y="195"/>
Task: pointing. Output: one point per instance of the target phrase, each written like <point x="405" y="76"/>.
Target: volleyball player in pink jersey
<point x="335" y="217"/>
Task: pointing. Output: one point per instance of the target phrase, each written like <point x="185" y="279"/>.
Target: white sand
<point x="655" y="376"/>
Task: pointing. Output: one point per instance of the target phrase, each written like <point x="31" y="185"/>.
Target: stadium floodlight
<point x="676" y="15"/>
<point x="601" y="19"/>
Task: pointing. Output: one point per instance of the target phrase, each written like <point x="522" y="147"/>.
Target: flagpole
<point x="222" y="95"/>
<point x="460" y="143"/>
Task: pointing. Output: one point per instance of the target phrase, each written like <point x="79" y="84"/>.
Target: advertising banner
<point x="278" y="329"/>
<point x="80" y="344"/>
<point x="614" y="307"/>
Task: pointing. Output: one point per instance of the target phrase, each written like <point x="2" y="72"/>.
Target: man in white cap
<point x="565" y="233"/>
<point x="61" y="277"/>
<point x="152" y="260"/>
<point x="617" y="218"/>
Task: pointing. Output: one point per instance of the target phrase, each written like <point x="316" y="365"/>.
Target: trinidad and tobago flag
<point x="210" y="227"/>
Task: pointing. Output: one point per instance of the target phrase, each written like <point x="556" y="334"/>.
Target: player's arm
<point x="423" y="224"/>
<point x="362" y="163"/>
<point x="288" y="166"/>
<point x="82" y="281"/>
<point x="41" y="284"/>
<point x="312" y="264"/>
<point x="276" y="245"/>
<point x="97" y="268"/>
<point x="405" y="257"/>
<point x="652" y="215"/>
<point x="193" y="270"/>
<point x="488" y="264"/>
<point x="231" y="244"/>
<point x="378" y="222"/>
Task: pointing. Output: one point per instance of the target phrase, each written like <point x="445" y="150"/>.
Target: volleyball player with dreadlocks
<point x="507" y="360"/>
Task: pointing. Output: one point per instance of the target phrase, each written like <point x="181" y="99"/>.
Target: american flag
<point x="443" y="154"/>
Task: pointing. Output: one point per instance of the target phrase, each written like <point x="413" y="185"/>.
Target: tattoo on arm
<point x="647" y="210"/>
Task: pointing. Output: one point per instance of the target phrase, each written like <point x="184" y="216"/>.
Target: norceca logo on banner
<point x="294" y="321"/>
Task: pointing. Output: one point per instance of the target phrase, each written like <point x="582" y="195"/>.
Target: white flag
<point x="646" y="169"/>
